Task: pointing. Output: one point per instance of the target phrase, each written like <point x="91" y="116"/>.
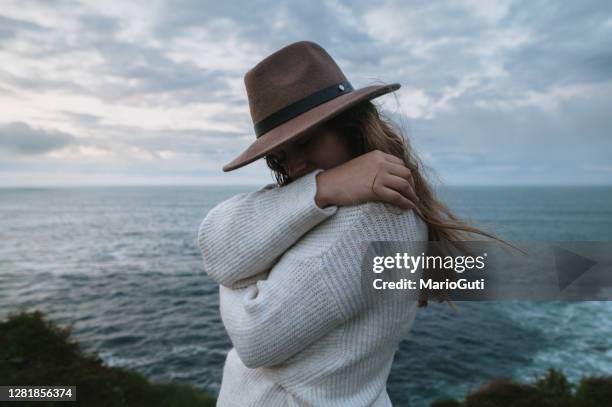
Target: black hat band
<point x="301" y="106"/>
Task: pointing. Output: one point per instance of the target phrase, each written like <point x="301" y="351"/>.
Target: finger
<point x="398" y="167"/>
<point x="393" y="197"/>
<point x="401" y="171"/>
<point x="400" y="185"/>
<point x="393" y="159"/>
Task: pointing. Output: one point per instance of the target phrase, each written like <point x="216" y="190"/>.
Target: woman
<point x="287" y="257"/>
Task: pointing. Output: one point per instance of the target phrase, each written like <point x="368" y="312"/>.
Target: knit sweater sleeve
<point x="243" y="236"/>
<point x="301" y="301"/>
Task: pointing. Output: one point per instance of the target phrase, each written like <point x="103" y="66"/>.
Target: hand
<point x="374" y="176"/>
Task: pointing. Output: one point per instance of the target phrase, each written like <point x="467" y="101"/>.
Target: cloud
<point x="84" y="118"/>
<point x="9" y="27"/>
<point x="22" y="139"/>
<point x="156" y="87"/>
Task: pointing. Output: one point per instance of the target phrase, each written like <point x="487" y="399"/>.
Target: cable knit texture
<point x="291" y="299"/>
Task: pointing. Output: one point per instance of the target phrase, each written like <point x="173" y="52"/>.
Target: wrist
<point x="321" y="199"/>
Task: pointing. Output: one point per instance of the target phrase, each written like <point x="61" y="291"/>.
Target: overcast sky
<point x="152" y="92"/>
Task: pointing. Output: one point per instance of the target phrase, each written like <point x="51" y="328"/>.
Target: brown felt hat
<point x="292" y="91"/>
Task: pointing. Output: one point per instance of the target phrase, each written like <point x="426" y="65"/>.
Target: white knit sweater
<point x="291" y="301"/>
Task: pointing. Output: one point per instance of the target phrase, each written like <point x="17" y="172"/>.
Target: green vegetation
<point x="34" y="351"/>
<point x="552" y="390"/>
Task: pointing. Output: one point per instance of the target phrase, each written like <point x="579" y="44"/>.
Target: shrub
<point x="34" y="351"/>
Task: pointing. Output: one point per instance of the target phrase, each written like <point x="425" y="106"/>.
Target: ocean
<point x="122" y="265"/>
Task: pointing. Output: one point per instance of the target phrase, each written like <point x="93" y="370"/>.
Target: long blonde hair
<point x="366" y="129"/>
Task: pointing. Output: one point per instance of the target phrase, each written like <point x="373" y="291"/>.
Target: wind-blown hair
<point x="366" y="129"/>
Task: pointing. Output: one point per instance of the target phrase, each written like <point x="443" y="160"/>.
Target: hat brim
<point x="299" y="125"/>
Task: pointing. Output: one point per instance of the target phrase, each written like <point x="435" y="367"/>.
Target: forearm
<point x="305" y="298"/>
<point x="274" y="319"/>
<point x="245" y="235"/>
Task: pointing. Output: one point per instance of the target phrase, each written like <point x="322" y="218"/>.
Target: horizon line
<point x="453" y="185"/>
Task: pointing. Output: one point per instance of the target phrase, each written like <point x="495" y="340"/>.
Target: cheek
<point x="323" y="158"/>
<point x="328" y="155"/>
